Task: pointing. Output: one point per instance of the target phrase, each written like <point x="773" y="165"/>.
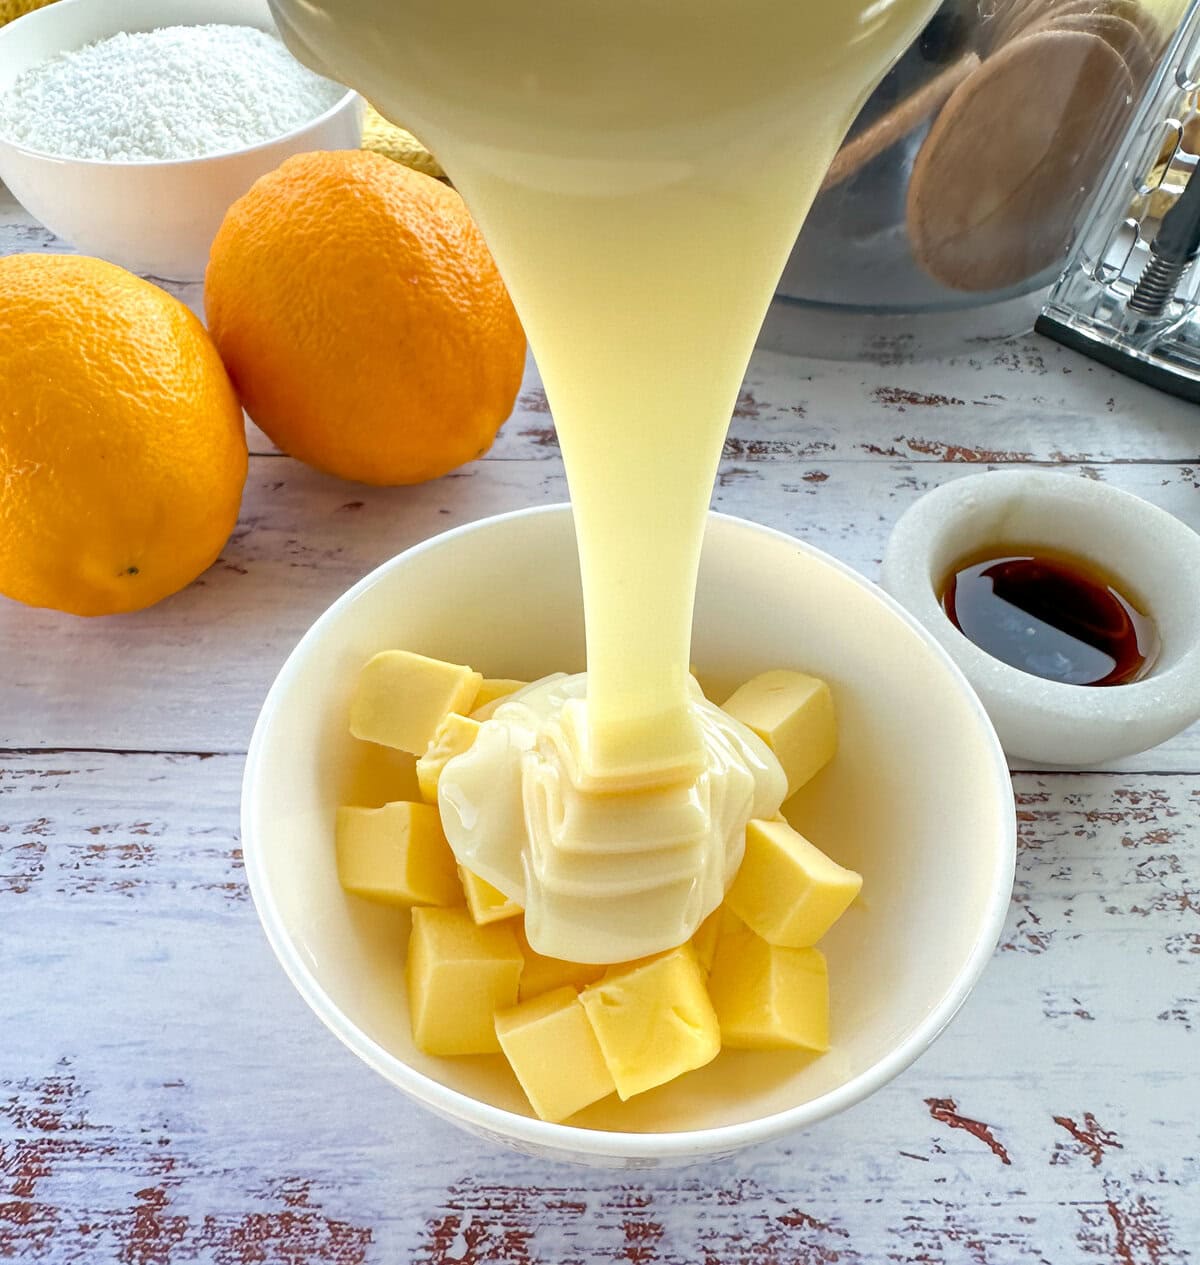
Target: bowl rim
<point x="347" y="100"/>
<point x="1172" y="691"/>
<point x="565" y="1139"/>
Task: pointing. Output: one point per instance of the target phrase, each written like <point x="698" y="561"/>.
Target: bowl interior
<point x="1142" y="547"/>
<point x="917" y="798"/>
<point x="71" y="24"/>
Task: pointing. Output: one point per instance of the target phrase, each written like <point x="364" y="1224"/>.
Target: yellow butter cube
<point x="653" y="1020"/>
<point x="544" y="975"/>
<point x="492" y="693"/>
<point x="401" y="698"/>
<point x="768" y="997"/>
<point x="788" y="891"/>
<point x="555" y="1054"/>
<point x="731" y="924"/>
<point x="396" y="855"/>
<point x="704" y="942"/>
<point x="459" y="975"/>
<point x="793" y="714"/>
<point x="495" y="688"/>
<point x="454" y="735"/>
<point x="485" y="902"/>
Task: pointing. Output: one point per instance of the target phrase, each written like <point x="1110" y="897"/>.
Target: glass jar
<point x="963" y="178"/>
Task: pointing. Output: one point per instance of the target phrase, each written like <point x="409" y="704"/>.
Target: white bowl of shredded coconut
<point x="129" y="129"/>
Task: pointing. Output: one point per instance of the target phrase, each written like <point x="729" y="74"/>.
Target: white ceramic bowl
<point x="918" y="799"/>
<point x="156" y="218"/>
<point x="1049" y="722"/>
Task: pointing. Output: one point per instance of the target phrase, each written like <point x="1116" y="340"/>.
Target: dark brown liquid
<point x="1050" y="615"/>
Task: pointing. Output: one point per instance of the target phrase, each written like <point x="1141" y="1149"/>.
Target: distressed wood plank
<point x="166" y="1098"/>
<point x="1017" y="400"/>
<point x="1022" y="399"/>
<point x="191" y="673"/>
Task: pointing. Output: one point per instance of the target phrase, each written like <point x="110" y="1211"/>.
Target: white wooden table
<point x="165" y="1096"/>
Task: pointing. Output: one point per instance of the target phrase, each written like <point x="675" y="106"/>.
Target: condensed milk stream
<point x="640" y="169"/>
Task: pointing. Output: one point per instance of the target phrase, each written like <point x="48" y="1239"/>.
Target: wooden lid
<point x="1124" y="38"/>
<point x="1011" y="157"/>
<point x="898" y="122"/>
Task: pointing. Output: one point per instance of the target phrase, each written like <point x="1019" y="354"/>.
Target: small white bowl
<point x="1049" y="722"/>
<point x="918" y="799"/>
<point x="156" y="218"/>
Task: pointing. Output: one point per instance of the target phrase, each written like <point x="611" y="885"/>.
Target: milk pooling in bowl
<point x="640" y="169"/>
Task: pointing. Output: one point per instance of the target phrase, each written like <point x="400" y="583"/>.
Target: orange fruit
<point x="362" y="320"/>
<point x="122" y="445"/>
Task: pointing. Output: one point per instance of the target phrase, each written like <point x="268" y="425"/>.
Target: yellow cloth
<point x="10" y="9"/>
<point x="395" y="143"/>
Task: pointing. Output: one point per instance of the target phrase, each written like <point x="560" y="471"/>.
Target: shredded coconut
<point x="178" y="92"/>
